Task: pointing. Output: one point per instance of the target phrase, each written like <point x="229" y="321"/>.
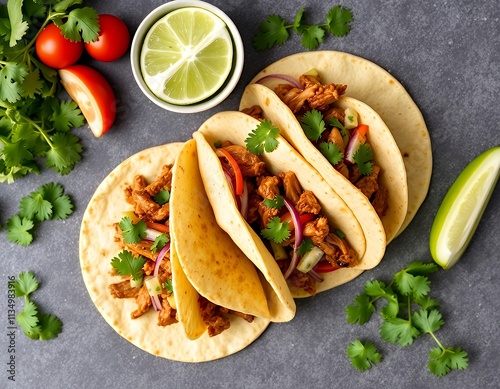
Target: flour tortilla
<point x="381" y="91"/>
<point x="97" y="247"/>
<point x="235" y="127"/>
<point x="377" y="232"/>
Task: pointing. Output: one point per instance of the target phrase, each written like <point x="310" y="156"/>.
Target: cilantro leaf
<point x="32" y="84"/>
<point x="363" y="157"/>
<point x="271" y="32"/>
<point x="34" y="206"/>
<point x="18" y="230"/>
<point x="263" y="137"/>
<point x="162" y="197"/>
<point x="62" y="205"/>
<point x="363" y="355"/>
<point x="160" y="242"/>
<point x="443" y="360"/>
<point x="64" y="153"/>
<point x="276" y="230"/>
<point x="277" y="202"/>
<point x="399" y="331"/>
<point x="334" y="122"/>
<point x="66" y="115"/>
<point x="427" y="302"/>
<point x="80" y="23"/>
<point x="410" y="285"/>
<point x="428" y="321"/>
<point x="312" y="36"/>
<point x="28" y="319"/>
<point x="11" y="78"/>
<point x="313" y="124"/>
<point x="361" y="311"/>
<point x="331" y="151"/>
<point x="305" y="246"/>
<point x="418" y="268"/>
<point x="126" y="264"/>
<point x="133" y="233"/>
<point x="297" y="22"/>
<point x="50" y="326"/>
<point x="16" y="153"/>
<point x="25" y="284"/>
<point x="338" y="19"/>
<point x="18" y="27"/>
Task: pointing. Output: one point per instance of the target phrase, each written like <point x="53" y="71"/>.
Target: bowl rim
<point x="230" y="83"/>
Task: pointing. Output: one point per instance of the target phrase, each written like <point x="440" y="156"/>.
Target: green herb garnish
<point x="263" y="137"/>
<point x="132" y="233"/>
<point x="363" y="159"/>
<point x="363" y="355"/>
<point x="331" y="151"/>
<point x="277" y="202"/>
<point x="313" y="124"/>
<point x="160" y="242"/>
<point x="35" y="325"/>
<point x="168" y="286"/>
<point x="162" y="197"/>
<point x="34" y="122"/>
<point x="126" y="264"/>
<point x="401" y="324"/>
<point x="47" y="202"/>
<point x="274" y="29"/>
<point x="276" y="230"/>
<point x="305" y="246"/>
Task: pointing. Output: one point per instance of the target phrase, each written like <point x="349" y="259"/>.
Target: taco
<point x="358" y="157"/>
<point x="374" y="86"/>
<point x="220" y="297"/>
<point x="277" y="194"/>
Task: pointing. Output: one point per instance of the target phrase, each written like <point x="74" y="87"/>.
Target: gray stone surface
<point x="447" y="55"/>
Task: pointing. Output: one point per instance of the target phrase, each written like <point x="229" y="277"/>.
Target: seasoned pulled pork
<point x="250" y="165"/>
<point x="319" y="96"/>
<point x="316" y="229"/>
<point x="308" y="203"/>
<point x="143" y="301"/>
<point x="167" y="313"/>
<point x="291" y="186"/>
<point x="254" y="111"/>
<point x="268" y="186"/>
<point x="212" y="316"/>
<point x="123" y="290"/>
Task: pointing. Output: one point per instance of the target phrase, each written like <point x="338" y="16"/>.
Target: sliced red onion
<point x="353" y="146"/>
<point x="298" y="236"/>
<point x="284" y="77"/>
<point x="244" y="200"/>
<point x="155" y="300"/>
<point x="230" y="181"/>
<point x="315" y="275"/>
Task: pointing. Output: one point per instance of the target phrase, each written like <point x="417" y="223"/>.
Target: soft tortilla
<point x="376" y="87"/>
<point x="387" y="156"/>
<point x="235" y="127"/>
<point x="97" y="247"/>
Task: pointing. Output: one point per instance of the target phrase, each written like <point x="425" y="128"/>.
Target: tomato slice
<point x="237" y="172"/>
<point x="93" y="94"/>
<point x="158" y="227"/>
<point x="304" y="218"/>
<point x="325" y="267"/>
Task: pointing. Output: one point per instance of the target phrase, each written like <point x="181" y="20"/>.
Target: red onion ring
<point x="298" y="236"/>
<point x="155" y="300"/>
<point x="284" y="77"/>
<point x="244" y="200"/>
<point x="315" y="275"/>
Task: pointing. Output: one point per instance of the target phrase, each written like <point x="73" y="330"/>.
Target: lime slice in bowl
<point x="186" y="56"/>
<point x="458" y="216"/>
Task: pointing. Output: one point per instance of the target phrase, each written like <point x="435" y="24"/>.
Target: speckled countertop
<point x="447" y="55"/>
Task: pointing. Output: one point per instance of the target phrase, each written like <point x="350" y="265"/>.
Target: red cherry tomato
<point x="113" y="40"/>
<point x="93" y="94"/>
<point x="54" y="50"/>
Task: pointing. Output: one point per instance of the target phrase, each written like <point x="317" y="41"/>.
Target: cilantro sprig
<point x="35" y="123"/>
<point x="46" y="203"/>
<point x="126" y="264"/>
<point x="132" y="233"/>
<point x="401" y="323"/>
<point x="277" y="202"/>
<point x="263" y="138"/>
<point x="363" y="355"/>
<point x="274" y="29"/>
<point x="276" y="230"/>
<point x="34" y="323"/>
<point x="363" y="158"/>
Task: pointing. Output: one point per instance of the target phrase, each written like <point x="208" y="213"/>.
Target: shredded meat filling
<point x="249" y="164"/>
<point x="123" y="290"/>
<point x="214" y="319"/>
<point x="268" y="186"/>
<point x="143" y="301"/>
<point x="254" y="111"/>
<point x="308" y="203"/>
<point x="291" y="186"/>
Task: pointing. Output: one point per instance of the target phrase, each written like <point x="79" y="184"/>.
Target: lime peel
<point x="461" y="209"/>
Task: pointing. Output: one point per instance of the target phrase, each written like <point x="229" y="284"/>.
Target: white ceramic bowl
<point x="229" y="85"/>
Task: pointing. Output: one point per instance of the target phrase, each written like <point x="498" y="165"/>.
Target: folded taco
<point x="348" y="143"/>
<point x="381" y="91"/>
<point x="277" y="208"/>
<point x="176" y="287"/>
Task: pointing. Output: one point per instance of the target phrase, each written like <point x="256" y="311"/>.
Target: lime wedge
<point x="462" y="207"/>
<point x="186" y="56"/>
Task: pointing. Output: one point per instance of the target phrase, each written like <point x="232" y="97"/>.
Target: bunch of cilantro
<point x="34" y="323"/>
<point x="34" y="122"/>
<point x="274" y="30"/>
<point x="409" y="312"/>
